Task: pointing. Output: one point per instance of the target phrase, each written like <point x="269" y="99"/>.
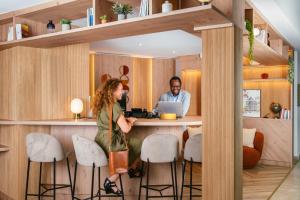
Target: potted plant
<point x="103" y="19"/>
<point x="65" y="24"/>
<point x="122" y="10"/>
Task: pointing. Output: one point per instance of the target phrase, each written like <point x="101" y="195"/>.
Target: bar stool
<point x="192" y="154"/>
<point x="44" y="148"/>
<point x="159" y="148"/>
<point x="90" y="154"/>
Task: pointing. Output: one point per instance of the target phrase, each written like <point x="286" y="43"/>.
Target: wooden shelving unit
<point x="3" y="148"/>
<point x="263" y="54"/>
<point x="195" y="16"/>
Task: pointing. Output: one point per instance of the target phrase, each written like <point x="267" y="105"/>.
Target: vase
<point x="121" y="17"/>
<point x="65" y="27"/>
<point x="50" y="27"/>
<point x="167" y="7"/>
<point x="264" y="76"/>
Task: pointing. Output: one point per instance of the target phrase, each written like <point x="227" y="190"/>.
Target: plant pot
<point x="121" y="17"/>
<point x="65" y="27"/>
<point x="103" y="21"/>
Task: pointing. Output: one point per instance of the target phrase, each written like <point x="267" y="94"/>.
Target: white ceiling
<point x="284" y="15"/>
<point x="164" y="44"/>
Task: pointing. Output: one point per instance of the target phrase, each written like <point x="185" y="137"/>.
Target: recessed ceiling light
<point x="173" y="51"/>
<point x="140" y="44"/>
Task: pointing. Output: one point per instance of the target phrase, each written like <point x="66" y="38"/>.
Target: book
<point x="10" y="33"/>
<point x="90" y="16"/>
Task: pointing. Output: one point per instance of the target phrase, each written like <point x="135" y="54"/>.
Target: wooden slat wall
<point x="192" y="83"/>
<point x="189" y="69"/>
<point x="142" y="86"/>
<point x="218" y="113"/>
<point x="163" y="70"/>
<point x="43" y="86"/>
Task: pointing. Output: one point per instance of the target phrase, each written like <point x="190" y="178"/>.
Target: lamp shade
<point x="76" y="106"/>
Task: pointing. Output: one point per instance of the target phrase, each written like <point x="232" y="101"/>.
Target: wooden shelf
<point x="263" y="54"/>
<point x="3" y="148"/>
<point x="185" y="19"/>
<point x="266" y="80"/>
<point x="55" y="10"/>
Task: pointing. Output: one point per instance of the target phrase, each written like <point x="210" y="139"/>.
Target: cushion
<point x="248" y="137"/>
<point x="194" y="131"/>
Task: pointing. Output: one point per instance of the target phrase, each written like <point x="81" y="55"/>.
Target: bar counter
<point x="63" y="130"/>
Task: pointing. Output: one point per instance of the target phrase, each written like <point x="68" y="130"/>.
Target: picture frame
<point x="252" y="103"/>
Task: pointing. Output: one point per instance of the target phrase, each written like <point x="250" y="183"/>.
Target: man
<point x="176" y="95"/>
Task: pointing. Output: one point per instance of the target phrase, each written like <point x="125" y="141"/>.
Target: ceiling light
<point x="140" y="44"/>
<point x="173" y="51"/>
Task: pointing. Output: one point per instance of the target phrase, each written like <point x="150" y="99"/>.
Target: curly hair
<point x="105" y="97"/>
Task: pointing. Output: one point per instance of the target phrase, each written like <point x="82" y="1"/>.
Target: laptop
<point x="170" y="107"/>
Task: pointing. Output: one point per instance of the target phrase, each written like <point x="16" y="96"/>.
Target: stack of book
<point x="90" y="16"/>
<point x="285" y="114"/>
<point x="144" y="8"/>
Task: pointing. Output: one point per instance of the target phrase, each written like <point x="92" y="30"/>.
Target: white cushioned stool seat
<point x="42" y="147"/>
<point x="160" y="148"/>
<point x="193" y="148"/>
<point x="88" y="152"/>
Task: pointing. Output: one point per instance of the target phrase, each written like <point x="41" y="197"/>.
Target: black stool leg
<point x="27" y="179"/>
<point x="69" y="173"/>
<point x="99" y="184"/>
<point x="54" y="178"/>
<point x="173" y="185"/>
<point x="40" y="181"/>
<point x="148" y="169"/>
<point x="182" y="182"/>
<point x="141" y="181"/>
<point x="191" y="178"/>
<point x="175" y="174"/>
<point x="75" y="174"/>
<point x="121" y="183"/>
<point x="92" y="190"/>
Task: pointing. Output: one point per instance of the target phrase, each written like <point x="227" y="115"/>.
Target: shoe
<point x="109" y="185"/>
<point x="135" y="173"/>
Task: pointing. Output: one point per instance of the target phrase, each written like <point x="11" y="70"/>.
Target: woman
<point x="111" y="93"/>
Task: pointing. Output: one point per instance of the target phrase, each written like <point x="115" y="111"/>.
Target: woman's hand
<point x="131" y="120"/>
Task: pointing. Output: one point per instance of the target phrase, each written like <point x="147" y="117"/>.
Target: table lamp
<point x="76" y="107"/>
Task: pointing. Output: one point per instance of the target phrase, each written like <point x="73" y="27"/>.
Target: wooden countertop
<point x="185" y="121"/>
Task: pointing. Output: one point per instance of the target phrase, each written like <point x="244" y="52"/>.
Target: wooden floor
<point x="260" y="183"/>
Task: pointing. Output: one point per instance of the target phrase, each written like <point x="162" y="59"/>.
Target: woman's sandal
<point x="109" y="185"/>
<point x="135" y="173"/>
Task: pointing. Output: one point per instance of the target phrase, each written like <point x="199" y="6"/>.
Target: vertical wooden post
<point x="221" y="105"/>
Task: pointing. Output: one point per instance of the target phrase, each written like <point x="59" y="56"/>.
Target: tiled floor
<point x="290" y="188"/>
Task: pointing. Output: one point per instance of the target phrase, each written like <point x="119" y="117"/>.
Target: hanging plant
<point x="249" y="28"/>
<point x="291" y="70"/>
